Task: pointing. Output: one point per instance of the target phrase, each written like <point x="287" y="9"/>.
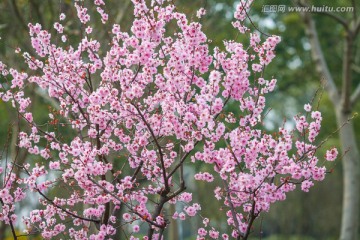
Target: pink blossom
<point x="307" y="107"/>
<point x="62" y="16"/>
<point x="202" y="232"/>
<point x="214" y="234"/>
<point x="331" y="154"/>
<point x="136" y="228"/>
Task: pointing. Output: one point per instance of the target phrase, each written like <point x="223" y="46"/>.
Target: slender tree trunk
<point x="173" y="229"/>
<point x="343" y="102"/>
<point x="351" y="178"/>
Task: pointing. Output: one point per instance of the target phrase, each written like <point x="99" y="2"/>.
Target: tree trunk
<point x="351" y="178"/>
<point x="343" y="104"/>
<point x="173" y="229"/>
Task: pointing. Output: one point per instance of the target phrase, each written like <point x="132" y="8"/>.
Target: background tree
<point x="344" y="101"/>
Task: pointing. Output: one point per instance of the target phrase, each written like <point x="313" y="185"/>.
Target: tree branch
<point x="347" y="73"/>
<point x="167" y="188"/>
<point x="355" y="96"/>
<point x="65" y="210"/>
<point x="10" y="222"/>
<point x="337" y="18"/>
<point x="234" y="156"/>
<point x="126" y="204"/>
<point x="319" y="59"/>
<point x="137" y="171"/>
<point x="196" y="143"/>
<point x="232" y="209"/>
<point x="357" y="27"/>
<point x="18" y="15"/>
<point x="253" y="216"/>
<point x="56" y="205"/>
<point x="353" y="3"/>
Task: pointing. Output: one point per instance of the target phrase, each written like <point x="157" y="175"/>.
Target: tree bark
<point x="351" y="178"/>
<point x="343" y="104"/>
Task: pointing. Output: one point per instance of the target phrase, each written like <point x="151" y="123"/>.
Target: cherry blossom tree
<point x="139" y="108"/>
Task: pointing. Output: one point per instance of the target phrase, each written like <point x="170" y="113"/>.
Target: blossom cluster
<point x="138" y="111"/>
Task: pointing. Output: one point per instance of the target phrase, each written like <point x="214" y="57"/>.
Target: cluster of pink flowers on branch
<point x="139" y="108"/>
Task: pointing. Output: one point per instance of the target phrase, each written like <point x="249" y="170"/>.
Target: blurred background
<point x="313" y="215"/>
